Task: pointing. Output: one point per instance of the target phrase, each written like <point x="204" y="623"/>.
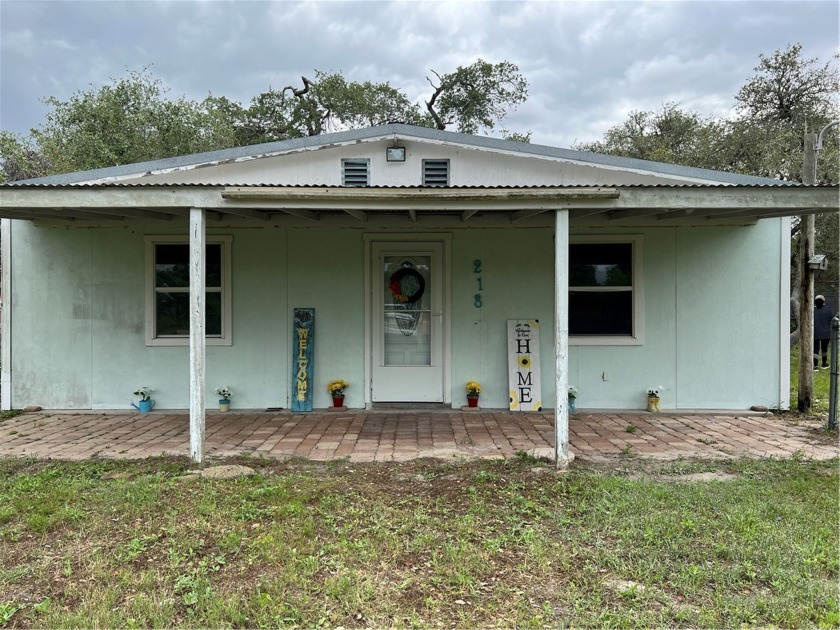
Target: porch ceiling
<point x="114" y="204"/>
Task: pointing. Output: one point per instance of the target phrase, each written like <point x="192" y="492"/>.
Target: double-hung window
<point x="168" y="291"/>
<point x="604" y="291"/>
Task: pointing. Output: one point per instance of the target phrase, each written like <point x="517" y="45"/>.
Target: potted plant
<point x="145" y="404"/>
<point x="473" y="392"/>
<point x="224" y="394"/>
<point x="572" y="398"/>
<point x="336" y="389"/>
<point x="653" y="399"/>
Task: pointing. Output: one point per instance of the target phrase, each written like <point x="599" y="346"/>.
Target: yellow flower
<point x="473" y="388"/>
<point x="525" y="361"/>
<point x="337" y="387"/>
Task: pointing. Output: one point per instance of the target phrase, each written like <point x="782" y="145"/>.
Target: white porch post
<point x="6" y="323"/>
<point x="198" y="238"/>
<point x="561" y="338"/>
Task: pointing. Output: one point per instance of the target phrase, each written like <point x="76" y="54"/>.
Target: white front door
<point x="407" y="358"/>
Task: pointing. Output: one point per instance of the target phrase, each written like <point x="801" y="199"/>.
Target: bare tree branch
<point x="430" y="104"/>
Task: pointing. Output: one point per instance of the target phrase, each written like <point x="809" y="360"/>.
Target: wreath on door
<point x="407" y="285"/>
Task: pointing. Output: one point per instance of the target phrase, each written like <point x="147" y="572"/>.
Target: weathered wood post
<point x="561" y="339"/>
<point x="198" y="238"/>
<point x="805" y="389"/>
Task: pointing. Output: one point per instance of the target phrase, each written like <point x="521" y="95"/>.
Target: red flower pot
<point x="472" y="401"/>
<point x="338" y="401"/>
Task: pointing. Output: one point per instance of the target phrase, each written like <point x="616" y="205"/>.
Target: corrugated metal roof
<point x="33" y="183"/>
<point x="397" y="131"/>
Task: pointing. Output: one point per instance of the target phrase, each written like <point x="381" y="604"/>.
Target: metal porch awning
<point x="251" y="205"/>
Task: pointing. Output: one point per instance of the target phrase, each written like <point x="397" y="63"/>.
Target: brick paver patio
<point x="395" y="436"/>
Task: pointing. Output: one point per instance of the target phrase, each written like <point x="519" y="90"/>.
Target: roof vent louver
<point x="355" y="172"/>
<point x="436" y="172"/>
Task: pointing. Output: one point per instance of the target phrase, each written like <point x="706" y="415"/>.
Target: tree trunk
<point x="805" y="392"/>
<point x="794" y="314"/>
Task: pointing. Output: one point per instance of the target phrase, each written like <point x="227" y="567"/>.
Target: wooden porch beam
<point x="133" y="213"/>
<point x="561" y="339"/>
<point x="618" y="215"/>
<point x="526" y="214"/>
<point x="6" y="315"/>
<point x="248" y="213"/>
<point x="361" y="215"/>
<point x="300" y="213"/>
<point x="581" y="213"/>
<point x="198" y="240"/>
<point x="466" y="214"/>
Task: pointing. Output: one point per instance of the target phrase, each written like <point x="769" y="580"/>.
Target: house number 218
<point x="477" y="271"/>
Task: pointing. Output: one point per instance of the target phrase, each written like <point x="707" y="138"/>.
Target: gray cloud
<point x="588" y="63"/>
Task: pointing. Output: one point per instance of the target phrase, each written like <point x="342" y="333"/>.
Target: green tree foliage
<point x="668" y="134"/>
<point x="477" y="96"/>
<point x="788" y="88"/>
<point x="785" y="98"/>
<point x="130" y="120"/>
<point x="133" y="120"/>
<point x="328" y="103"/>
<point x="21" y="158"/>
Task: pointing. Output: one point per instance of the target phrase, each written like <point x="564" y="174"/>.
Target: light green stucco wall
<point x="711" y="318"/>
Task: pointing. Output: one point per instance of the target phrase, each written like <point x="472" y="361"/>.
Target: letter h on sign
<point x="524" y="365"/>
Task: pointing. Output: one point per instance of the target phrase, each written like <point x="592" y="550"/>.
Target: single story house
<point x="413" y="248"/>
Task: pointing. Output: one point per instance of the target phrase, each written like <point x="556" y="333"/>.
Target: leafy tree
<point x="471" y="98"/>
<point x="668" y="134"/>
<point x="787" y="97"/>
<point x="788" y="88"/>
<point x="477" y="96"/>
<point x="133" y="120"/>
<point x="21" y="159"/>
<point x="328" y="103"/>
<point x="127" y="121"/>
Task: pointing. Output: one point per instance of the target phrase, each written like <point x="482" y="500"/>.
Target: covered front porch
<point x="392" y="436"/>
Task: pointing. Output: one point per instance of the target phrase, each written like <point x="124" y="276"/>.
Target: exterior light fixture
<point x="395" y="154"/>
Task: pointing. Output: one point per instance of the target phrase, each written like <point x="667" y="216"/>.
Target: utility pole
<point x="805" y="391"/>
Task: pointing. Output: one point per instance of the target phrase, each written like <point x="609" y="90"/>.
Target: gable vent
<point x="354" y="172"/>
<point x="436" y="172"/>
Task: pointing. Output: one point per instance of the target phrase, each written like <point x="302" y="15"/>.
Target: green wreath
<point x="396" y="281"/>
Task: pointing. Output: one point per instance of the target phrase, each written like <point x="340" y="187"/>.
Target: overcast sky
<point x="588" y="63"/>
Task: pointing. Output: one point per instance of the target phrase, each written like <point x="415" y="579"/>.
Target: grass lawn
<point x="478" y="544"/>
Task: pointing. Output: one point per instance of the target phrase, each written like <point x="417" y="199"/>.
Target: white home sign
<point x="524" y="363"/>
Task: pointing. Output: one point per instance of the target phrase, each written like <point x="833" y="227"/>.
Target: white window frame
<point x="226" y="338"/>
<point x="637" y="338"/>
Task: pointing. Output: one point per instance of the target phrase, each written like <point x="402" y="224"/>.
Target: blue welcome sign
<point x="303" y="342"/>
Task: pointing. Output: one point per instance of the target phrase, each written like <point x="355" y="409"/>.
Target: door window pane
<point x="407" y="310"/>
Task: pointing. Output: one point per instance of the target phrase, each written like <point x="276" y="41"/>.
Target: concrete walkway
<point x="397" y="436"/>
